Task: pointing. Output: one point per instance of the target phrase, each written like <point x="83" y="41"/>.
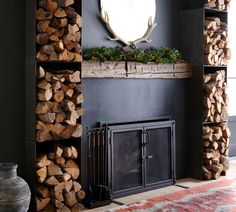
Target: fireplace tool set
<point x="98" y="192"/>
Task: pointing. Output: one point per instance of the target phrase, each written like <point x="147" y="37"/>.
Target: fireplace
<point x="137" y="156"/>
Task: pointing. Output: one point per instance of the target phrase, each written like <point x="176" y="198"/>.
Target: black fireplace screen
<point x="127" y="155"/>
<point x="132" y="157"/>
<point x="140" y="156"/>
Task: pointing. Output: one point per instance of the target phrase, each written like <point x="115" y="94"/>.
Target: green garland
<point x="162" y="55"/>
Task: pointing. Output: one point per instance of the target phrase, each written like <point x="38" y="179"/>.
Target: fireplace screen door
<point x="140" y="157"/>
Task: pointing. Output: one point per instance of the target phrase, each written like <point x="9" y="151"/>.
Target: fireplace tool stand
<point x="98" y="193"/>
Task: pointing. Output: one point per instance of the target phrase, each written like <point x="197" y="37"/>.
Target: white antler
<point x="144" y="38"/>
<point x="151" y="25"/>
<point x="105" y="18"/>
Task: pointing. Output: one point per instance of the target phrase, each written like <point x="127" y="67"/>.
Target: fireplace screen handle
<point x="149" y="157"/>
<point x="147" y="137"/>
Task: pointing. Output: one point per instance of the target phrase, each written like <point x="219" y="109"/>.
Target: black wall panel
<point x="12" y="60"/>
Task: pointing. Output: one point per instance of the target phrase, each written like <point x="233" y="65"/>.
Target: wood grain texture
<point x="123" y="69"/>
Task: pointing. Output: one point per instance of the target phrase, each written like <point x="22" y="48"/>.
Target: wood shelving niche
<point x="208" y="130"/>
<point x="54" y="96"/>
<point x="216" y="132"/>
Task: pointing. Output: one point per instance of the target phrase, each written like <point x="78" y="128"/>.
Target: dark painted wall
<point x="127" y="100"/>
<point x="123" y="100"/>
<point x="166" y="33"/>
<point x="12" y="83"/>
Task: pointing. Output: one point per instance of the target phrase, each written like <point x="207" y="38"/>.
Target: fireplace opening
<point x="132" y="157"/>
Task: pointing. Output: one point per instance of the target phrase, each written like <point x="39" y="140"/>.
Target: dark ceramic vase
<point x="14" y="191"/>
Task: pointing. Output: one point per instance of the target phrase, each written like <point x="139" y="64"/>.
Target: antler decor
<point x="144" y="38"/>
<point x="105" y="18"/>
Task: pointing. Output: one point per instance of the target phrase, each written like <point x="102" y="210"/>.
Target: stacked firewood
<point x="58" y="31"/>
<point x="217" y="51"/>
<point x="215" y="97"/>
<point x="58" y="105"/>
<point x="218" y="4"/>
<point x="215" y="150"/>
<point x="57" y="189"/>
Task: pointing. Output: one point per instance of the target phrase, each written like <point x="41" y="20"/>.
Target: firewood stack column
<point x="58" y="31"/>
<point x="58" y="105"/>
<point x="222" y="5"/>
<point x="217" y="51"/>
<point x="216" y="132"/>
<point x="57" y="188"/>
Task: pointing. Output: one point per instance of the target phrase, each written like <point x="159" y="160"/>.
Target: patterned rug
<point x="218" y="196"/>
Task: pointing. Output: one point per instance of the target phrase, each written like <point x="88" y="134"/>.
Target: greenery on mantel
<point x="163" y="55"/>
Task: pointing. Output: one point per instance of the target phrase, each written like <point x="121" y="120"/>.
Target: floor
<point x="187" y="182"/>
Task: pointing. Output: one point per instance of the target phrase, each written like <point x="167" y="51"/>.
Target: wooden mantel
<point x="127" y="70"/>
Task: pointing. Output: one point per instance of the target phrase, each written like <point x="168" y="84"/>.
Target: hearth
<point x="131" y="157"/>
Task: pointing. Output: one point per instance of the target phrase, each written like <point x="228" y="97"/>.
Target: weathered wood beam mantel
<point x="127" y="70"/>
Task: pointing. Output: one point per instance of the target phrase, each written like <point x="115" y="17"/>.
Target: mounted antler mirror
<point x="129" y="21"/>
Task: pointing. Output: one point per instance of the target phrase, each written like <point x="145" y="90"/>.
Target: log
<point x="80" y="195"/>
<point x="42" y="191"/>
<point x="57" y="130"/>
<point x="43" y="107"/>
<point x="206" y="174"/>
<point x="76" y="186"/>
<point x="42" y="26"/>
<point x="215" y="168"/>
<point x="42" y="203"/>
<point x="53" y="170"/>
<point x="207" y="162"/>
<point x="214" y="145"/>
<point x="72" y="168"/>
<point x="60" y="117"/>
<point x="65" y="3"/>
<point x="56" y="107"/>
<point x="42" y="161"/>
<point x="48" y="5"/>
<point x="47" y="117"/>
<point x="207" y="102"/>
<point x="78" y="98"/>
<point x="44" y="95"/>
<point x="60" y="161"/>
<point x="215" y="175"/>
<point x="71" y="118"/>
<point x="79" y="111"/>
<point x="41" y="174"/>
<point x="68" y="186"/>
<point x="43" y="135"/>
<point x="73" y="77"/>
<point x="58" y="204"/>
<point x="43" y="15"/>
<point x="77" y="207"/>
<point x="51" y="181"/>
<point x="72" y="29"/>
<point x="77" y="20"/>
<point x="78" y="130"/>
<point x="69" y="93"/>
<point x="40" y="72"/>
<point x="42" y="39"/>
<point x="207" y="155"/>
<point x="67" y="152"/>
<point x="74" y="152"/>
<point x="67" y="132"/>
<point x="58" y="190"/>
<point x="64" y="209"/>
<point x="70" y="12"/>
<point x="59" y="46"/>
<point x="68" y="105"/>
<point x="65" y="177"/>
<point x="60" y="13"/>
<point x="70" y="198"/>
<point x="58" y="96"/>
